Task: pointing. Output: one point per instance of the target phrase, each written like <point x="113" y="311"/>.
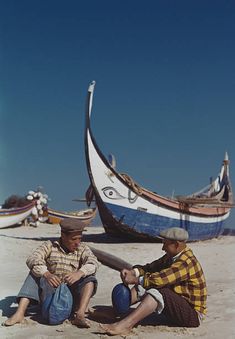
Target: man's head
<point x="71" y="233"/>
<point x="174" y="240"/>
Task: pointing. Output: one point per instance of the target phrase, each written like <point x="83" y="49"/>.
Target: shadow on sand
<point x="101" y="238"/>
<point x="105" y="315"/>
<point x="9" y="305"/>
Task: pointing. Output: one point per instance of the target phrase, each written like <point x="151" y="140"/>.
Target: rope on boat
<point x="135" y="187"/>
<point x="184" y="206"/>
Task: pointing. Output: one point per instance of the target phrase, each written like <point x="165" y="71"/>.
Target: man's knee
<point x="88" y="282"/>
<point x="157" y="296"/>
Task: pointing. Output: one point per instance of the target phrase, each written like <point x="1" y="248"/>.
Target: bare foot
<point x="14" y="319"/>
<point x="115" y="329"/>
<point x="81" y="322"/>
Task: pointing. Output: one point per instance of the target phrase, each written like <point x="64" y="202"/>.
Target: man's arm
<point x="129" y="277"/>
<point x="89" y="265"/>
<point x="36" y="262"/>
<point x="89" y="262"/>
<point x="176" y="273"/>
<point x="155" y="266"/>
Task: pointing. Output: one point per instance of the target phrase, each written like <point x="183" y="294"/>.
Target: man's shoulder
<point x="83" y="247"/>
<point x="50" y="243"/>
<point x="187" y="254"/>
<point x="85" y="250"/>
<point x="47" y="243"/>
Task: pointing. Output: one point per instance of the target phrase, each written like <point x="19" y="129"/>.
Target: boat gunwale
<point x="60" y="214"/>
<point x="16" y="210"/>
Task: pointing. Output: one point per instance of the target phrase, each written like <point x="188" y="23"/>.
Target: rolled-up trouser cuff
<point x="141" y="292"/>
<point x="30" y="289"/>
<point x="77" y="287"/>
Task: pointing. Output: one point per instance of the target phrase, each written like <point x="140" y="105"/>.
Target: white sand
<point x="217" y="257"/>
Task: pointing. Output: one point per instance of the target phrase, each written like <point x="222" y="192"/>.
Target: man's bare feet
<point x="115" y="329"/>
<point x="81" y="322"/>
<point x="14" y="319"/>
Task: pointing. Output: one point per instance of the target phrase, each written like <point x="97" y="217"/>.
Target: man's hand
<point x="52" y="279"/>
<point x="128" y="277"/>
<point x="71" y="278"/>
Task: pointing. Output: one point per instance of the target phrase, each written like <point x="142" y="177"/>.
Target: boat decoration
<point x="136" y="213"/>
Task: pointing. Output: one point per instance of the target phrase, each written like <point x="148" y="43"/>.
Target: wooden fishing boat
<point x="129" y="210"/>
<point x="85" y="216"/>
<point x="15" y="215"/>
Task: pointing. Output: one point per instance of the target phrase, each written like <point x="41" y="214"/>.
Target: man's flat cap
<point x="71" y="225"/>
<point x="174" y="233"/>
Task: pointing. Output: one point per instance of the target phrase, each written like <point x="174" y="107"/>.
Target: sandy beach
<point x="216" y="257"/>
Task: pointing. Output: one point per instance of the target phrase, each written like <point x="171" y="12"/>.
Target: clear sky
<point x="164" y="102"/>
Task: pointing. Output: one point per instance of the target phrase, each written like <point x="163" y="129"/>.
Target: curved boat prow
<point x="126" y="210"/>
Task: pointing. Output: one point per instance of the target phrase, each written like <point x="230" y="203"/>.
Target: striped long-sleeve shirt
<point x="50" y="256"/>
<point x="184" y="276"/>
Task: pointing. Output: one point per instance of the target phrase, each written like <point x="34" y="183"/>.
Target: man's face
<point x="71" y="240"/>
<point x="170" y="247"/>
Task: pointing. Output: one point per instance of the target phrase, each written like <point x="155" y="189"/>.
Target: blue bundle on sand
<point x="57" y="306"/>
<point x="121" y="299"/>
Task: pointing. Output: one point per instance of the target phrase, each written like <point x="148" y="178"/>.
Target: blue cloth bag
<point x="121" y="299"/>
<point x="57" y="306"/>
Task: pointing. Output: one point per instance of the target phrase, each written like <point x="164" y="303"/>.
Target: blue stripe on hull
<point x="152" y="224"/>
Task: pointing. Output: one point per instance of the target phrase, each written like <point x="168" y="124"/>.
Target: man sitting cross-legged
<point x="173" y="285"/>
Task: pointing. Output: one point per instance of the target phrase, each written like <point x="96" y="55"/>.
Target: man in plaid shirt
<point x="173" y="286"/>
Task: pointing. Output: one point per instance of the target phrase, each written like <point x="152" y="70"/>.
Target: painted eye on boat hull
<point x="112" y="193"/>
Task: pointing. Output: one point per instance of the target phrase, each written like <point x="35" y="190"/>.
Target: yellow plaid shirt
<point x="184" y="276"/>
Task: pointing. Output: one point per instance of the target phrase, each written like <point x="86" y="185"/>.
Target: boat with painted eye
<point x="136" y="213"/>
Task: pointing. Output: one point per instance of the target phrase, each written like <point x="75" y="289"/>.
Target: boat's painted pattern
<point x="152" y="224"/>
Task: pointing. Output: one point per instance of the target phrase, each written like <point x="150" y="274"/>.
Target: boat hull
<point x="13" y="216"/>
<point x="140" y="225"/>
<point x="85" y="217"/>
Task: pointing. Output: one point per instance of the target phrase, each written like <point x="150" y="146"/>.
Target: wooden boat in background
<point x="85" y="216"/>
<point x="15" y="215"/>
<point x="129" y="210"/>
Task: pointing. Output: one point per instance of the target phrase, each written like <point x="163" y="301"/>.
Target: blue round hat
<point x="121" y="299"/>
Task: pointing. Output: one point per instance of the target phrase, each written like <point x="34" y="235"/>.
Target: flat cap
<point x="71" y="225"/>
<point x="174" y="233"/>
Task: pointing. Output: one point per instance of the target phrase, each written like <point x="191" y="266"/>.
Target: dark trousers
<point x="177" y="310"/>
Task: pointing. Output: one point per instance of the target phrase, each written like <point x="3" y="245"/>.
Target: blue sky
<point x="164" y="101"/>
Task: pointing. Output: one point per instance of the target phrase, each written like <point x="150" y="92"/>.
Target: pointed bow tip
<point x="226" y="158"/>
<point x="91" y="86"/>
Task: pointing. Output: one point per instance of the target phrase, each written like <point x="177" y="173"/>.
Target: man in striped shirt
<point x="67" y="260"/>
<point x="173" y="286"/>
